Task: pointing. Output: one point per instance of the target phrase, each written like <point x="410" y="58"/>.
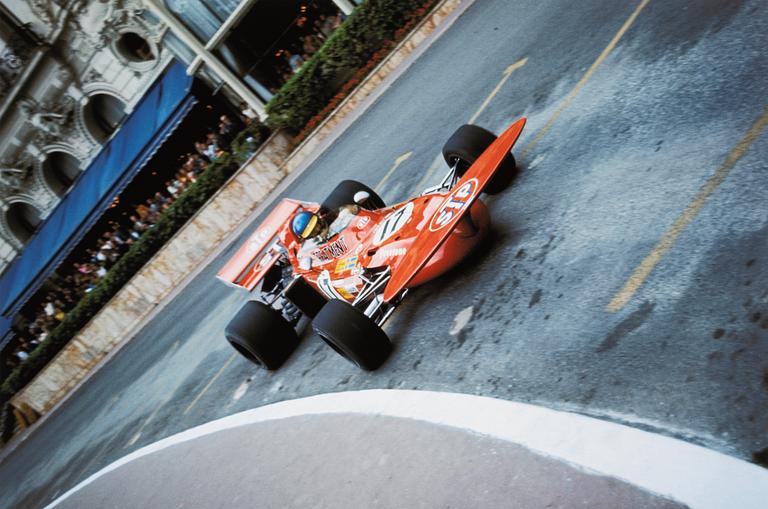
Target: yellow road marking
<point x="646" y="267"/>
<point x="400" y="160"/>
<point x="205" y="389"/>
<point x="569" y="98"/>
<point x="507" y="73"/>
<point x="149" y="419"/>
<point x="438" y="162"/>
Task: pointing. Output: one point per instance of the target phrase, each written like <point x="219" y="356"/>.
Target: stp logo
<point x="454" y="205"/>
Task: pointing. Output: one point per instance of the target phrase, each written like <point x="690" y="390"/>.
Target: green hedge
<point x="372" y="25"/>
<point x="180" y="211"/>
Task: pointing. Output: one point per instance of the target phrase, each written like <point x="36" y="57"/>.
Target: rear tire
<point x="261" y="335"/>
<point x="344" y="195"/>
<point x="352" y="335"/>
<point x="466" y="145"/>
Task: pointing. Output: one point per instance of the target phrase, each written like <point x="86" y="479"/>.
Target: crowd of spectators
<point x="322" y="28"/>
<point x="70" y="284"/>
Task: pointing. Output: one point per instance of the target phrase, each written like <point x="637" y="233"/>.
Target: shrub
<point x="372" y="26"/>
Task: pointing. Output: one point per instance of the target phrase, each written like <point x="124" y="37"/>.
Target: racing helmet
<point x="307" y="225"/>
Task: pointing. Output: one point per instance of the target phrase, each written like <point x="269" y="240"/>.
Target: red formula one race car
<point x="349" y="262"/>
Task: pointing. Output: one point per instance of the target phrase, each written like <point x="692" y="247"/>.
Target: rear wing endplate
<point x="260" y="252"/>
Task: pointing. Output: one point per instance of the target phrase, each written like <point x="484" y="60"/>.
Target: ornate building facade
<point x="70" y="71"/>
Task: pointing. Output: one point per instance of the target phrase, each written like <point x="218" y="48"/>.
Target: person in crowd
<point x="22" y="355"/>
<point x="154" y="210"/>
<point x="137" y="226"/>
<point x="98" y="256"/>
<point x="330" y="23"/>
<point x="310" y="44"/>
<point x="198" y="165"/>
<point x="162" y="199"/>
<point x="118" y="238"/>
<point x="142" y="211"/>
<point x="183" y="178"/>
<point x="107" y="243"/>
<point x="201" y="148"/>
<point x="226" y="130"/>
<point x="247" y="113"/>
<point x="59" y="313"/>
<point x="212" y="146"/>
<point x="174" y="188"/>
<point x="48" y="307"/>
<point x="295" y="61"/>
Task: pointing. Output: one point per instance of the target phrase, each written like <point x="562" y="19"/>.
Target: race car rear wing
<point x="261" y="251"/>
<point x="456" y="204"/>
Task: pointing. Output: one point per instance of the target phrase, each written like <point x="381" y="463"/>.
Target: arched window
<point x="23" y="219"/>
<point x="134" y="48"/>
<point x="202" y="17"/>
<point x="59" y="171"/>
<point x="103" y="115"/>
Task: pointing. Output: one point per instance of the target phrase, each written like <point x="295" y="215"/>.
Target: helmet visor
<point x="310" y="228"/>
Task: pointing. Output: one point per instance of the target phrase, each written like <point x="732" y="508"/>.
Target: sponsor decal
<point x="454" y="205"/>
<point x="335" y="249"/>
<point x="254" y="244"/>
<point x="346" y="264"/>
<point x="263" y="235"/>
<point x="362" y="222"/>
<point x="391" y="252"/>
<point x="392" y="223"/>
<point x="344" y="293"/>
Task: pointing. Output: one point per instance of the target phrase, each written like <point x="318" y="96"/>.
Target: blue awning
<point x="162" y="108"/>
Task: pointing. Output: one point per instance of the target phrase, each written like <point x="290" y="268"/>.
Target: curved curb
<point x="687" y="473"/>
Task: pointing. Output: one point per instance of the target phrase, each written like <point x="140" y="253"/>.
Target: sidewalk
<point x="411" y="449"/>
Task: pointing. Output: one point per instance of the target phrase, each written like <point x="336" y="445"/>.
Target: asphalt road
<point x="613" y="161"/>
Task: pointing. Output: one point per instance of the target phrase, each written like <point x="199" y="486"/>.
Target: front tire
<point x="261" y="335"/>
<point x="344" y="195"/>
<point x="352" y="334"/>
<point x="466" y="145"/>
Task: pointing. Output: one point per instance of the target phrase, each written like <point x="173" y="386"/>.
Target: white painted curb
<point x="687" y="473"/>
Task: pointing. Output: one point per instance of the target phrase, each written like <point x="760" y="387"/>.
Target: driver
<point x="324" y="224"/>
<point x="309" y="225"/>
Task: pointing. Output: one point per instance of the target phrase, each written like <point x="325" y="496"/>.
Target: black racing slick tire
<point x="261" y="335"/>
<point x="352" y="335"/>
<point x="344" y="195"/>
<point x="466" y="145"/>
